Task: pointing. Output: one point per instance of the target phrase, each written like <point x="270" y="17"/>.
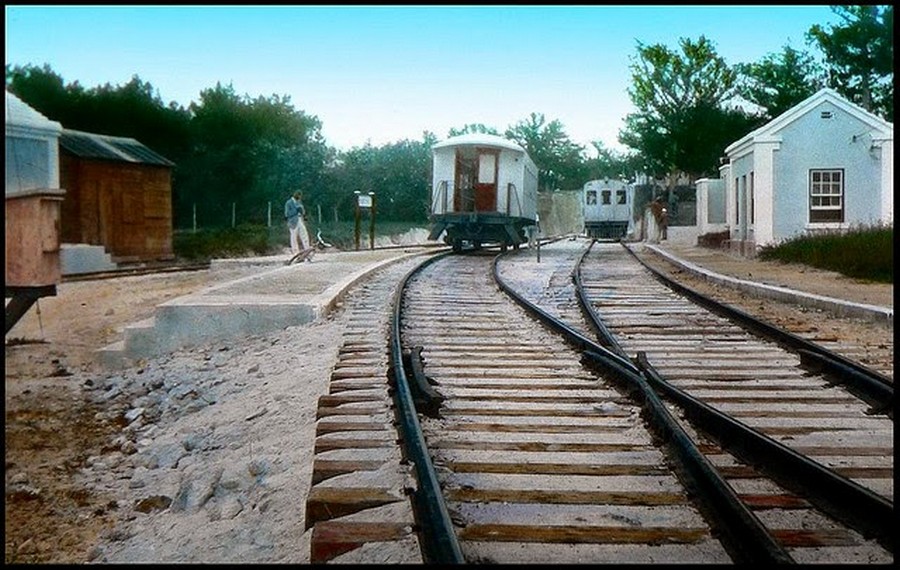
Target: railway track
<point x="762" y="385"/>
<point x="521" y="445"/>
<point x="538" y="461"/>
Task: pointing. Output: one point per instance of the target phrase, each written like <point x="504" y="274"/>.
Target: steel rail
<point x="743" y="535"/>
<point x="844" y="499"/>
<point x="874" y="388"/>
<point x="440" y="544"/>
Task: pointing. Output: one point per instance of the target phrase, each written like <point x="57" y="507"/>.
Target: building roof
<point x="105" y="147"/>
<point x="479" y="139"/>
<point x="22" y="117"/>
<point x="882" y="127"/>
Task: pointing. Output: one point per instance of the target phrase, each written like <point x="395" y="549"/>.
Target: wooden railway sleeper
<point x="878" y="394"/>
<point x="871" y="386"/>
<point x="842" y="498"/>
<point x="743" y="534"/>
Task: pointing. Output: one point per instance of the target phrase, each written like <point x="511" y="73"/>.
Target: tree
<point x="473" y="128"/>
<point x="860" y="55"/>
<point x="608" y="164"/>
<point x="560" y="162"/>
<point x="398" y="173"/>
<point x="249" y="152"/>
<point x="778" y="82"/>
<point x="679" y="98"/>
<point x="133" y="110"/>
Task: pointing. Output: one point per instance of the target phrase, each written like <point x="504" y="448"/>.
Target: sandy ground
<point x="199" y="456"/>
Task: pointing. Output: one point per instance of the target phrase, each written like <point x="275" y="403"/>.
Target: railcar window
<point x="605" y="197"/>
<point x="620" y="196"/>
<point x="591" y="197"/>
<point x="486" y="168"/>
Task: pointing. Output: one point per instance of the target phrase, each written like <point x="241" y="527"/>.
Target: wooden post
<point x="195" y="217"/>
<point x="356" y="218"/>
<point x="372" y="221"/>
<point x="269" y="222"/>
<point x="232" y="215"/>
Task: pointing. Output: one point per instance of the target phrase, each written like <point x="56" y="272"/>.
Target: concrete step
<point x="78" y="258"/>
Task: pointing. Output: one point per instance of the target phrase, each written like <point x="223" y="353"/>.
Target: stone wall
<point x="561" y="212"/>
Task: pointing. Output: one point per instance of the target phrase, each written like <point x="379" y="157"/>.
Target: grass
<point x="865" y="253"/>
<point x="257" y="240"/>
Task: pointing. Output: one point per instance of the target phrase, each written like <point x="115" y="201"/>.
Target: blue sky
<point x="381" y="74"/>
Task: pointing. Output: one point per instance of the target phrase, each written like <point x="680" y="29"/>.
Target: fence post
<point x="356" y="221"/>
<point x="232" y="215"/>
<point x="270" y="215"/>
<point x="195" y="217"/>
<point x="372" y="221"/>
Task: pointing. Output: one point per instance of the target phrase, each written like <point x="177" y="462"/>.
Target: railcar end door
<point x="486" y="182"/>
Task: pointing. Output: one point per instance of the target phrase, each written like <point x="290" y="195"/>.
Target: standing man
<point x="295" y="214"/>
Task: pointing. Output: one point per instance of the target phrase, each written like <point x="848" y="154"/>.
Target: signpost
<point x="365" y="202"/>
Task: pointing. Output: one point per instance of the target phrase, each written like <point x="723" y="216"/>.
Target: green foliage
<point x="610" y="164"/>
<point x="399" y="174"/>
<point x="682" y="123"/>
<point x="248" y="240"/>
<point x="860" y="55"/>
<point x="865" y="253"/>
<point x="473" y="128"/>
<point x="243" y="241"/>
<point x="342" y="234"/>
<point x="133" y="110"/>
<point x="665" y="81"/>
<point x="778" y="82"/>
<point x="560" y="162"/>
<point x="248" y="152"/>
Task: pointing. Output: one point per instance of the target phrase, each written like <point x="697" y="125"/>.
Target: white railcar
<point x="608" y="208"/>
<point x="484" y="192"/>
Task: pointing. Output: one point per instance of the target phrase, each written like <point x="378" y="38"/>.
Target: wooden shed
<point x="118" y="195"/>
<point x="32" y="208"/>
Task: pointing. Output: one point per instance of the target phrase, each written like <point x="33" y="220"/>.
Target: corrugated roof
<point x="91" y="145"/>
<point x="23" y="116"/>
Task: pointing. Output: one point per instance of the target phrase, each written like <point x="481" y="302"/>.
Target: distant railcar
<point x="484" y="192"/>
<point x="608" y="208"/>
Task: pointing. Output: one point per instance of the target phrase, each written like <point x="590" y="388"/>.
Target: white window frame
<point x="826" y="194"/>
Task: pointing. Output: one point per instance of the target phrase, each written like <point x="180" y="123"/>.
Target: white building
<point x="825" y="164"/>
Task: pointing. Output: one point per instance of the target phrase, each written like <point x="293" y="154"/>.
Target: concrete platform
<point x="275" y="297"/>
<point x="843" y="307"/>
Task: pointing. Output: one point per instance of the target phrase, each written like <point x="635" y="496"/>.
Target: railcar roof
<point x="479" y="139"/>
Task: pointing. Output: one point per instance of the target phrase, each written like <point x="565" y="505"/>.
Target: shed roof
<point x="884" y="128"/>
<point x="121" y="149"/>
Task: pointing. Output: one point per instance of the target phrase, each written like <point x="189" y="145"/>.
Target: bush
<point x="256" y="240"/>
<point x="242" y="241"/>
<point x="866" y="252"/>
